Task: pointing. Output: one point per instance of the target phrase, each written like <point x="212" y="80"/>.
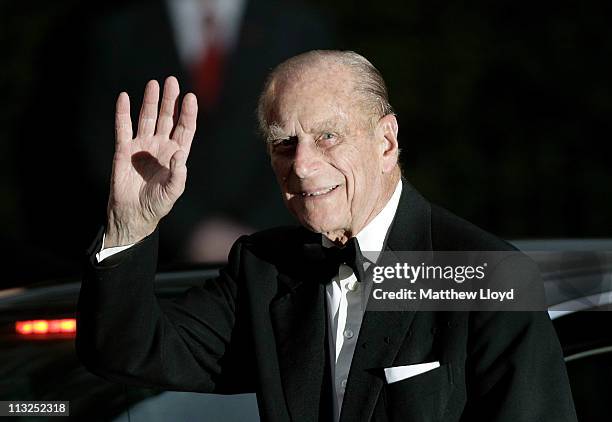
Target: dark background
<point x="504" y="111"/>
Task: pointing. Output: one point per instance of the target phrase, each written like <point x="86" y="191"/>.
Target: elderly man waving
<point x="279" y="321"/>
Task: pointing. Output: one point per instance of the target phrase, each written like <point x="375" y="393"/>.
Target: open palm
<point x="149" y="171"/>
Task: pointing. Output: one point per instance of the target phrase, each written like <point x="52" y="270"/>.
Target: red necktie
<point x="207" y="71"/>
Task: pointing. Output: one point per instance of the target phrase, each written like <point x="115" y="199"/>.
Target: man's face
<point x="324" y="152"/>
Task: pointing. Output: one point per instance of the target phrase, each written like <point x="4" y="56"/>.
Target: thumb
<point x="179" y="159"/>
<point x="178" y="172"/>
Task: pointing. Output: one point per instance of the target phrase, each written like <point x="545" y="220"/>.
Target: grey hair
<point x="367" y="81"/>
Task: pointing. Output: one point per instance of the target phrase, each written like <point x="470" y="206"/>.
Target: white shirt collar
<point x="372" y="237"/>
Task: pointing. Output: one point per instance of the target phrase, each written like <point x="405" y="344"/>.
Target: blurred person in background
<point x="222" y="50"/>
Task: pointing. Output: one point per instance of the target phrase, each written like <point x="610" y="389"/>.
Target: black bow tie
<point x="350" y="254"/>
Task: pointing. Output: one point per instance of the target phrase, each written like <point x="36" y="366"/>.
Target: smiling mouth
<point x="319" y="192"/>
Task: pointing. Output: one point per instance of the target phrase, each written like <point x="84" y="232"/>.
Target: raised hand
<point x="149" y="171"/>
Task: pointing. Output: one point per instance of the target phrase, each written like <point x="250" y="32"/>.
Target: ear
<point x="387" y="130"/>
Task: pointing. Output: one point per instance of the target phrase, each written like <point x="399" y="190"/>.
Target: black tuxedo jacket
<point x="261" y="327"/>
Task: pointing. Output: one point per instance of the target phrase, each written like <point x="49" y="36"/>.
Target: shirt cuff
<point x="108" y="252"/>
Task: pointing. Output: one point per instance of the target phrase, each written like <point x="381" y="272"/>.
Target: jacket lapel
<point x="383" y="333"/>
<point x="299" y="322"/>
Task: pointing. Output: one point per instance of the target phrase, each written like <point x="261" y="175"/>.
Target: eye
<point x="328" y="138"/>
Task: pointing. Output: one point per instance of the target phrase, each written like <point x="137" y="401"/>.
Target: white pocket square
<point x="398" y="373"/>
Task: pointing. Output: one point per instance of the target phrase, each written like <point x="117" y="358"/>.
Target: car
<point x="39" y="362"/>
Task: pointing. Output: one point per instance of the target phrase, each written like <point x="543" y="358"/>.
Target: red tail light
<point x="42" y="327"/>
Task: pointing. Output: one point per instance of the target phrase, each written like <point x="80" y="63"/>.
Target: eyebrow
<point x="275" y="131"/>
<point x="334" y="123"/>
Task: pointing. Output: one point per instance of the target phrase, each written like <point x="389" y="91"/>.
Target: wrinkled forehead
<point x="313" y="99"/>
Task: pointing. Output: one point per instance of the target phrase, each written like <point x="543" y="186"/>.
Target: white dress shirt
<point x="188" y="20"/>
<point x="346" y="297"/>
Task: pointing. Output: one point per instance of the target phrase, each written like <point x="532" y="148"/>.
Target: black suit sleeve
<point x="194" y="343"/>
<point x="515" y="371"/>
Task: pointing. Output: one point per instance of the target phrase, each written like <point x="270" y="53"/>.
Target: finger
<point x="178" y="173"/>
<point x="167" y="108"/>
<point x="123" y="121"/>
<point x="148" y="111"/>
<point x="186" y="126"/>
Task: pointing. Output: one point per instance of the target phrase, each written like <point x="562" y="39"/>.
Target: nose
<point x="307" y="160"/>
